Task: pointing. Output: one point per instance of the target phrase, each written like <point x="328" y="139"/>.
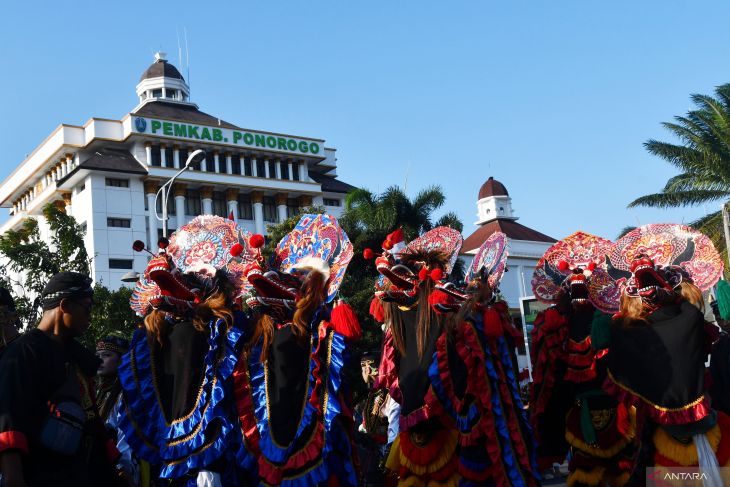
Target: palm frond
<point x="678" y="198"/>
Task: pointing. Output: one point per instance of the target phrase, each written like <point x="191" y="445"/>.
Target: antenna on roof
<point x="187" y="58"/>
<point x="179" y="48"/>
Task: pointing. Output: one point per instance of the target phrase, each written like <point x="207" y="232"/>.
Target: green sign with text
<point x="244" y="138"/>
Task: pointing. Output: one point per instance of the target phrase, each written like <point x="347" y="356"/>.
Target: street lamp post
<point x="194" y="158"/>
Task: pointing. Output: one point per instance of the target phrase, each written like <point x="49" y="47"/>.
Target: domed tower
<point x="162" y="81"/>
<point x="493" y="202"/>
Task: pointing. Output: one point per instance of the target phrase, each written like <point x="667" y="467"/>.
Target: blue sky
<point x="554" y="99"/>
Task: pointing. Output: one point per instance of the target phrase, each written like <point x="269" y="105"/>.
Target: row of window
<point x="236" y="161"/>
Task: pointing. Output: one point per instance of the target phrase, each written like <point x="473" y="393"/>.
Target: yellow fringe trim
<point x="447" y="452"/>
<point x="414" y="481"/>
<point x="614" y="450"/>
<point x="619" y="480"/>
<point x="594" y="477"/>
<point x="685" y="455"/>
<point x="393" y="462"/>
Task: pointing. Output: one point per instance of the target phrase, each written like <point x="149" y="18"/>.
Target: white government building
<point x="106" y="174"/>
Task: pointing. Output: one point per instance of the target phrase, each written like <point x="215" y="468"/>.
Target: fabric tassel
<point x="623" y="421"/>
<point x="492" y="323"/>
<point x="344" y="321"/>
<point x="376" y="310"/>
<point x="707" y="461"/>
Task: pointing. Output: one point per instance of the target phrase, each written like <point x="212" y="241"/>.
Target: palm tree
<point x="373" y="213"/>
<point x="703" y="157"/>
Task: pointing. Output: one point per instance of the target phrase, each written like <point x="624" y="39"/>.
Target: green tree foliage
<point x="111" y="315"/>
<point x="37" y="260"/>
<point x="703" y="159"/>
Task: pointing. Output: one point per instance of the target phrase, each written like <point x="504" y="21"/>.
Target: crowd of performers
<point x="238" y="374"/>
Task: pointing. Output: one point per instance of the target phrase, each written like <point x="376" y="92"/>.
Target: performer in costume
<point x="9" y="322"/>
<point x="474" y="376"/>
<point x="110" y="350"/>
<point x="424" y="453"/>
<point x="177" y="414"/>
<point x="294" y="415"/>
<point x="569" y="359"/>
<point x="372" y="436"/>
<point x="658" y="345"/>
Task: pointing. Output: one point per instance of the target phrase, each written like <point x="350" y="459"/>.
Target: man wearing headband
<point x="50" y="433"/>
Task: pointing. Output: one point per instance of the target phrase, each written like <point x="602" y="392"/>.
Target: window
<point x="236" y="164"/>
<point x="332" y="202"/>
<point x="272" y="169"/>
<point x="192" y="203"/>
<point x="245" y="210"/>
<point x="156" y="156"/>
<point x="183" y="155"/>
<point x="269" y="209"/>
<point x="169" y="157"/>
<point x="219" y="204"/>
<point x="260" y="168"/>
<point x="80" y="188"/>
<point x="285" y="170"/>
<point x="84" y="226"/>
<point x="171" y="94"/>
<point x="170" y="205"/>
<point x="119" y="222"/>
<point x="157" y="93"/>
<point x="295" y="172"/>
<point x="121" y="263"/>
<point x="115" y="183"/>
<point x="169" y="232"/>
<point x="246" y="166"/>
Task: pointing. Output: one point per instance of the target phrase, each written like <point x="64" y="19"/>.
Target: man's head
<point x="68" y="298"/>
<point x="110" y="350"/>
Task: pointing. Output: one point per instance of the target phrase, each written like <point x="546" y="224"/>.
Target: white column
<point x="152" y="235"/>
<point x="281" y="209"/>
<point x="258" y="216"/>
<point x="69" y="162"/>
<point x="242" y="166"/>
<point x="163" y="155"/>
<point x="148" y="154"/>
<point x="254" y="167"/>
<point x="204" y="165"/>
<point x="233" y="208"/>
<point x="303" y="172"/>
<point x="229" y="164"/>
<point x="180" y="211"/>
<point x="266" y="168"/>
<point x="176" y="159"/>
<point x="216" y="162"/>
<point x="278" y="169"/>
<point x="207" y="206"/>
<point x="291" y="171"/>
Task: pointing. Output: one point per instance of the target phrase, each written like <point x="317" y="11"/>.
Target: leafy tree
<point x="703" y="159"/>
<point x="37" y="260"/>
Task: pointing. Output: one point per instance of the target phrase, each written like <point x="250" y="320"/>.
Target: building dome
<point x="161" y="68"/>
<point x="492" y="187"/>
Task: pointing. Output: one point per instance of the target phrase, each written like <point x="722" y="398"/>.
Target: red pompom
<point x="256" y="241"/>
<point x="344" y="321"/>
<point x="437" y="274"/>
<point x="387" y="244"/>
<point x="592" y="266"/>
<point x="163" y="242"/>
<point x="563" y="266"/>
<point x="423" y="274"/>
<point x="236" y="249"/>
<point x="368" y="254"/>
<point x="439" y="299"/>
<point x="138" y="246"/>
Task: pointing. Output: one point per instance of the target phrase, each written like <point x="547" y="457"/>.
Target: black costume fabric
<point x="662" y="362"/>
<point x="33" y="373"/>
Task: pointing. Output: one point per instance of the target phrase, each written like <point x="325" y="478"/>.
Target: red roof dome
<point x="492" y="187"/>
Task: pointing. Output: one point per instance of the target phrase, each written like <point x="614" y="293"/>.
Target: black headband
<point x="65" y="285"/>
